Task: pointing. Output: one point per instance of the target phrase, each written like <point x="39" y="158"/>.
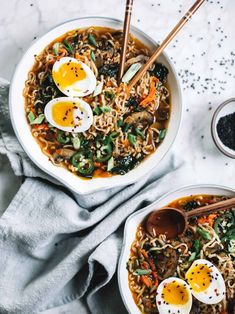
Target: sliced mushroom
<point x="140" y="58"/>
<point x="63" y="153"/>
<point x="162" y="115"/>
<point x="167" y="263"/>
<point x="117" y="34"/>
<point x="143" y="117"/>
<point x="195" y="308"/>
<point x="231" y="306"/>
<point x="50" y="135"/>
<point x="99" y="61"/>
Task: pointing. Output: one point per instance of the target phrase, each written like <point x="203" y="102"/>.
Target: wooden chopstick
<point x="126" y="31"/>
<point x="166" y="41"/>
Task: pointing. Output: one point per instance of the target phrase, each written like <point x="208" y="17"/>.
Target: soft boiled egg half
<point x="69" y="114"/>
<point x="173" y="296"/>
<point x="73" y="78"/>
<point x="206" y="282"/>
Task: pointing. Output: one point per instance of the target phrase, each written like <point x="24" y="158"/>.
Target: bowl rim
<point x="214" y="130"/>
<point x="142" y="210"/>
<point x="59" y="178"/>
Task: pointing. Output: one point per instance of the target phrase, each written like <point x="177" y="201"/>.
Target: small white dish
<point x="31" y="147"/>
<point x="136" y="218"/>
<point x="224" y="109"/>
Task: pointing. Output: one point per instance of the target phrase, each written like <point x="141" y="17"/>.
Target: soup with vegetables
<point x="193" y="273"/>
<point x="82" y="118"/>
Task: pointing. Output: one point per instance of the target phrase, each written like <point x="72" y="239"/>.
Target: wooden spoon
<point x="173" y="222"/>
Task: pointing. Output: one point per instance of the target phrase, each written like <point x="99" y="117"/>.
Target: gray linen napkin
<point x="57" y="246"/>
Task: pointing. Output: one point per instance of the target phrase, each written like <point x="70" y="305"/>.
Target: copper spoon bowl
<point x="173" y="222"/>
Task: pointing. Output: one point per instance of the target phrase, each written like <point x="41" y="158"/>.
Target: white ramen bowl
<point x="136" y="218"/>
<point x="31" y="147"/>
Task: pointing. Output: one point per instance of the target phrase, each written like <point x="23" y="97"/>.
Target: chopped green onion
<point x="162" y="134"/>
<point x="93" y="55"/>
<point x="139" y="272"/>
<point x="62" y="138"/>
<point x="120" y="123"/>
<point x="91" y="40"/>
<point x="76" y="142"/>
<point x="68" y="47"/>
<point x="196" y="246"/>
<point x="133" y="69"/>
<point x="192" y="257"/>
<point x="56" y="48"/>
<point x="112" y="136"/>
<point x="98" y="89"/>
<point x="105" y="109"/>
<point x="221" y="229"/>
<point x="31" y="117"/>
<point x="204" y="234"/>
<point x="231" y="232"/>
<point x="131" y="139"/>
<point x="139" y="133"/>
<point x="196" y="250"/>
<point x="97" y="111"/>
<point x="126" y="127"/>
<point x="110" y="164"/>
<point x="39" y="119"/>
<point x="75" y="40"/>
<point x="108" y="95"/>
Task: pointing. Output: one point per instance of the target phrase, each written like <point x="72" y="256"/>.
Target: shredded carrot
<point x="43" y="126"/>
<point x="126" y="143"/>
<point x="98" y="172"/>
<point x="62" y="53"/>
<point x="109" y="84"/>
<point x="144" y="253"/>
<point x="87" y="99"/>
<point x="154" y="271"/>
<point x="156" y="283"/>
<point x="135" y="297"/>
<point x="100" y="98"/>
<point x="146" y="281"/>
<point x="105" y="174"/>
<point x="152" y="93"/>
<point x="145" y="265"/>
<point x="207" y="219"/>
<point x="124" y="87"/>
<point x="97" y="164"/>
<point x="79" y="57"/>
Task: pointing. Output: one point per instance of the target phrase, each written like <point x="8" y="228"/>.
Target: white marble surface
<point x="205" y="48"/>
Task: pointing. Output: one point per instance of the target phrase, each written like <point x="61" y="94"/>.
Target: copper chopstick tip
<point x="166" y="42"/>
<point x="126" y="30"/>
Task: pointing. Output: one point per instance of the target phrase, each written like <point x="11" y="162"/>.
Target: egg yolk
<point x="62" y="114"/>
<point x="68" y="74"/>
<point x="199" y="277"/>
<point x="175" y="293"/>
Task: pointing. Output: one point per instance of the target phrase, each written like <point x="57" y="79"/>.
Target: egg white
<point x="80" y="88"/>
<point x="164" y="308"/>
<point x="215" y="293"/>
<point x="83" y="116"/>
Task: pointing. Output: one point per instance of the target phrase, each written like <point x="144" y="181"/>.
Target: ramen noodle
<point x="127" y="126"/>
<point x="209" y="238"/>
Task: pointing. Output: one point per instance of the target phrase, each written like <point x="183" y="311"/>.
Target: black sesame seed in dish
<point x="223" y="128"/>
<point x="226" y="130"/>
